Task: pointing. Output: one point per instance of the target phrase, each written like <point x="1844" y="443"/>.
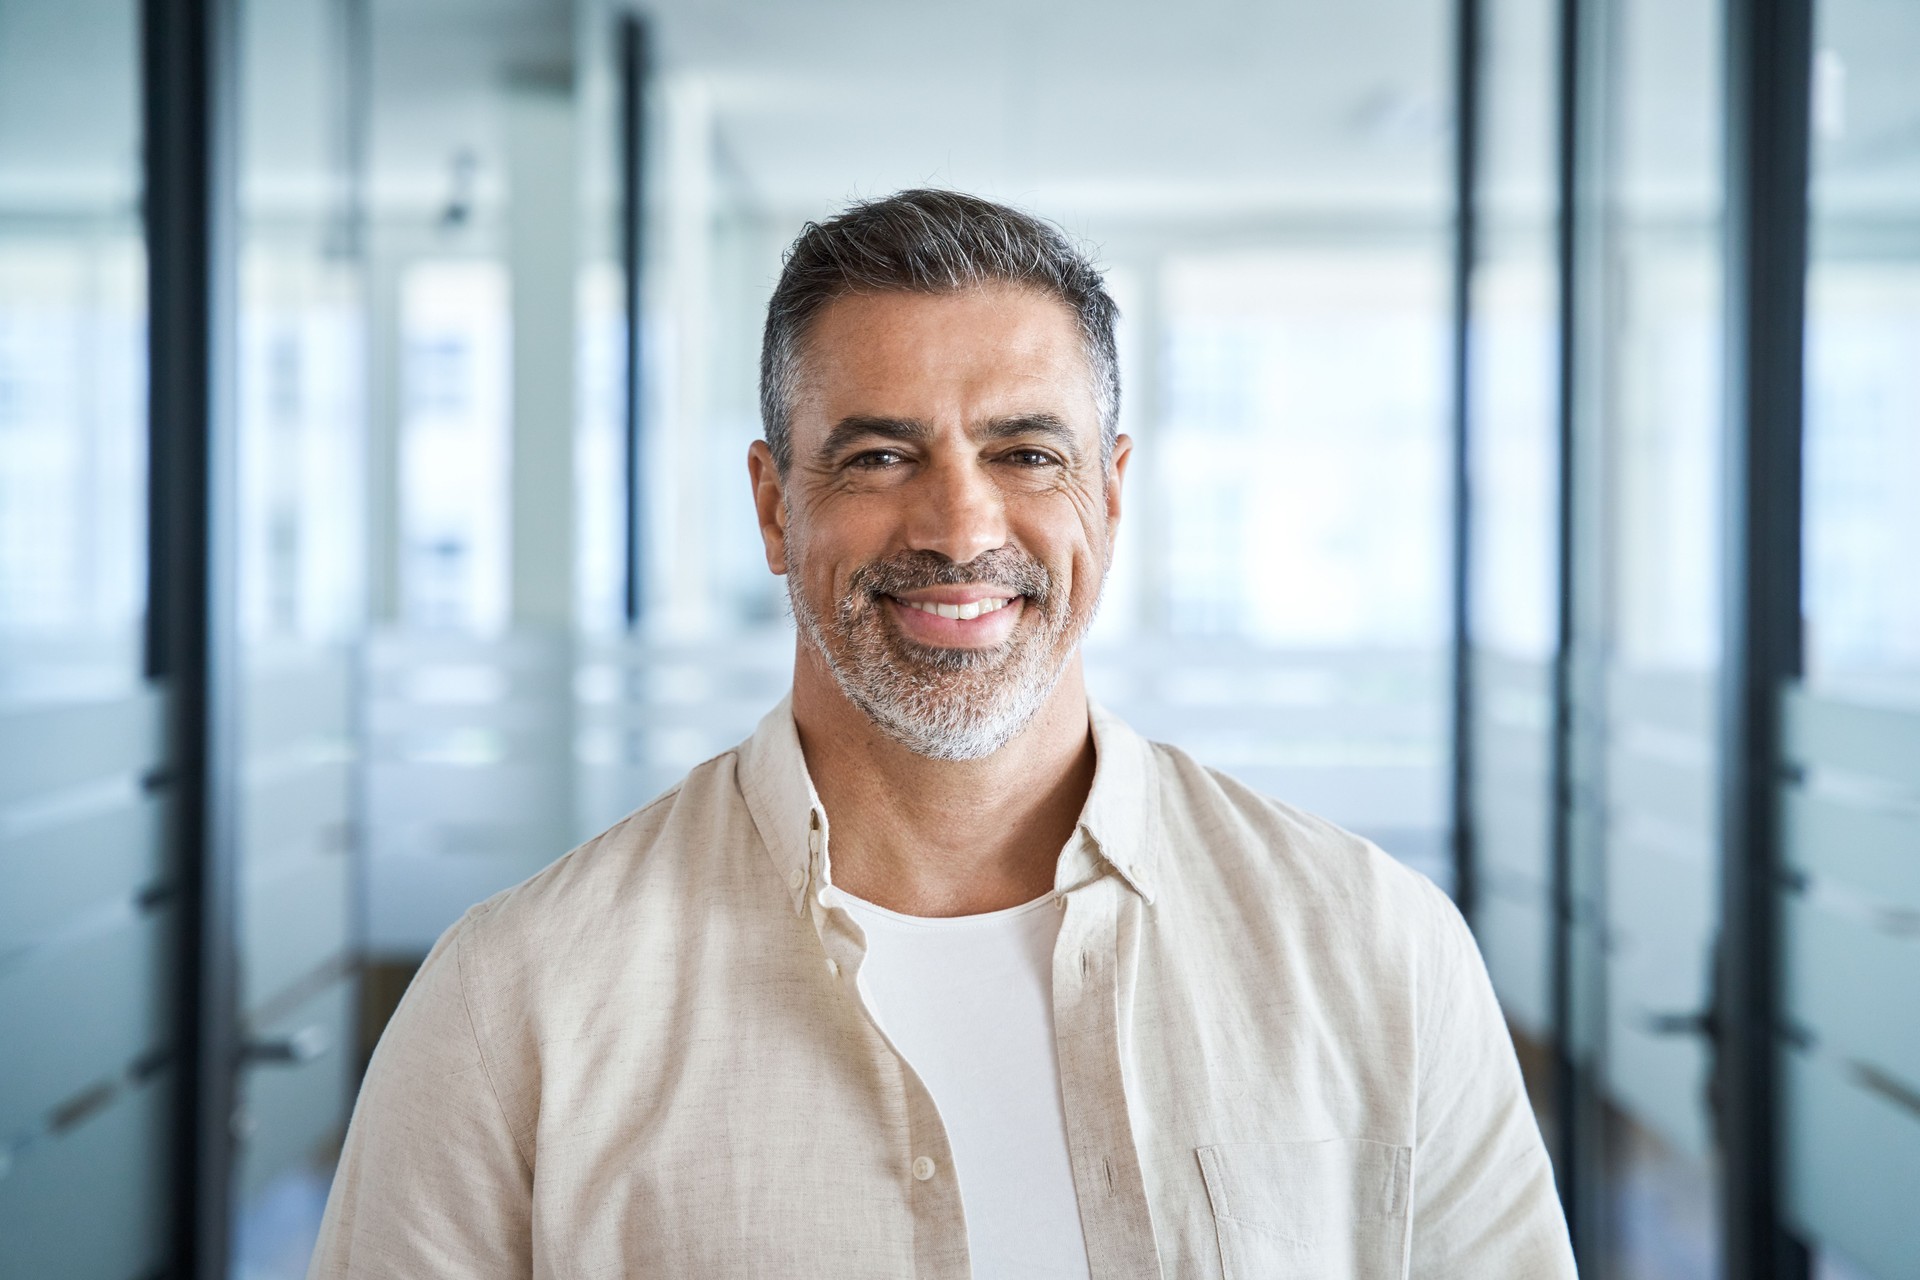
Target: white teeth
<point x="960" y="612"/>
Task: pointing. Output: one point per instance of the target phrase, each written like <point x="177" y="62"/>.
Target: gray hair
<point x="927" y="241"/>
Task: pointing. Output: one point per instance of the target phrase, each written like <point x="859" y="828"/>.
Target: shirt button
<point x="813" y="840"/>
<point x="824" y="897"/>
<point x="796" y="879"/>
<point x="923" y="1168"/>
<point x="833" y="967"/>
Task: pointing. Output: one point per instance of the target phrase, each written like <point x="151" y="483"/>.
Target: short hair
<point x="929" y="241"/>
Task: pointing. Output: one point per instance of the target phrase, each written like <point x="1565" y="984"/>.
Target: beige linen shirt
<point x="1279" y="1057"/>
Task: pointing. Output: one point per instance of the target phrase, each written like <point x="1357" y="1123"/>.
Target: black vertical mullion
<point x="1572" y="1158"/>
<point x="1769" y="71"/>
<point x="188" y="61"/>
<point x="1466" y="72"/>
<point x="634" y="57"/>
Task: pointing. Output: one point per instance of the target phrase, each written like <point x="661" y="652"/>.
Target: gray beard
<point x="944" y="704"/>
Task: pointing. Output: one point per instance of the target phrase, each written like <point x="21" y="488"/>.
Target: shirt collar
<point x="784" y="805"/>
<point x="1122" y="814"/>
<point x="1119" y="821"/>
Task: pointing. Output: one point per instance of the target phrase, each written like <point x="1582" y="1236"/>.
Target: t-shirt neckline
<point x="1002" y="916"/>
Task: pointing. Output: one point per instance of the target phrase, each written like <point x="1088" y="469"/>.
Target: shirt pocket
<point x="1331" y="1210"/>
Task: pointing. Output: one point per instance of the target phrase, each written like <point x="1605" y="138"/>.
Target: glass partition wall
<point x="1513" y="532"/>
<point x="1627" y="868"/>
<point x="299" y="515"/>
<point x="1648" y="424"/>
<point x="1850" y="793"/>
<point x="89" y="901"/>
<point x="1592" y="435"/>
<point x="109" y="925"/>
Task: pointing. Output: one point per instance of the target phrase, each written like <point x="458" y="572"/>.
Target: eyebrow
<point x="851" y="431"/>
<point x="860" y="428"/>
<point x="1045" y="425"/>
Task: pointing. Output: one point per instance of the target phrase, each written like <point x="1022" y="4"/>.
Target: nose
<point x="959" y="512"/>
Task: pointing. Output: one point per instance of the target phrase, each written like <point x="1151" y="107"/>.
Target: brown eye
<point x="875" y="460"/>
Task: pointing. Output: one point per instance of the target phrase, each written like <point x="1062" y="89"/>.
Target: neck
<point x="942" y="837"/>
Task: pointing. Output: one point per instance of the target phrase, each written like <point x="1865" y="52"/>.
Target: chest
<point x="1214" y="1125"/>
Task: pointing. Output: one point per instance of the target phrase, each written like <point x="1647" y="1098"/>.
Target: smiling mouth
<point x="960" y="612"/>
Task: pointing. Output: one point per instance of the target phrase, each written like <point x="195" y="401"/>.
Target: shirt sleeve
<point x="432" y="1182"/>
<point x="1484" y="1202"/>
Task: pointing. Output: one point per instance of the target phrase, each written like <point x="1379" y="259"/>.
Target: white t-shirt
<point x="968" y="1001"/>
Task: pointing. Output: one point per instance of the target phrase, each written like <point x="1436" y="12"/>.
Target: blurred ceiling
<point x="1146" y="109"/>
<point x="1170" y="110"/>
<point x="1212" y="107"/>
<point x="1216" y="108"/>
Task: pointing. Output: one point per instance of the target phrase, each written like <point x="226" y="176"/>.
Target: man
<point x="944" y="972"/>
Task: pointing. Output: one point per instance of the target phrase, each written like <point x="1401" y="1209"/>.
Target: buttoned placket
<point x="1090" y="983"/>
<point x="926" y="1161"/>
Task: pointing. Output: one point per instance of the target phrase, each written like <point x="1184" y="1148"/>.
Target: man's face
<point x="947" y="519"/>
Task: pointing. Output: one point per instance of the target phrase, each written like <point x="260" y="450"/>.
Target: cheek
<point x="820" y="567"/>
<point x="1072" y="529"/>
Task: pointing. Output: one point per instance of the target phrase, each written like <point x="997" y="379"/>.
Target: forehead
<point x="983" y="351"/>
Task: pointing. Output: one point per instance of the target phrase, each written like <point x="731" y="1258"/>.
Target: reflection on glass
<point x="72" y="341"/>
<point x="455" y="416"/>
<point x="1863" y="328"/>
<point x="600" y="451"/>
<point x="300" y="335"/>
<point x="301" y="349"/>
<point x="1863" y="466"/>
<point x="73" y="422"/>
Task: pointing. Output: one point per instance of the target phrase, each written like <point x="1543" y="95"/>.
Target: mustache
<point x="910" y="571"/>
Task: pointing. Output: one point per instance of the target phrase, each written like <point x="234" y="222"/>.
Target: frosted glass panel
<point x="1853" y="1161"/>
<point x="56" y="869"/>
<point x="92" y="1202"/>
<point x="1868" y="847"/>
<point x="85" y="977"/>
<point x="1852" y="821"/>
<point x="1856" y="983"/>
<point x="1855" y="734"/>
<point x="299" y="520"/>
<point x="290" y="1110"/>
<point x="295" y="918"/>
<point x="78" y="1013"/>
<point x="47" y="748"/>
<point x="1514" y="937"/>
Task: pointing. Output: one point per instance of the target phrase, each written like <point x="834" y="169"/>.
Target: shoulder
<point x="621" y="888"/>
<point x="540" y="959"/>
<point x="616" y="870"/>
<point x="1217" y="828"/>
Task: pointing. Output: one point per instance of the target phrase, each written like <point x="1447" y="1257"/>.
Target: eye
<point x="1032" y="458"/>
<point x="876" y="460"/>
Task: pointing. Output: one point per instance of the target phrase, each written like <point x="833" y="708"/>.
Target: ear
<point x="769" y="503"/>
<point x="1116" y="473"/>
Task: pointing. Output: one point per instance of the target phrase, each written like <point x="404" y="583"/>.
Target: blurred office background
<point x="1527" y="397"/>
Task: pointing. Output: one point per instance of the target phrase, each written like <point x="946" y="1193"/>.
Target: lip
<point x="971" y="593"/>
<point x="936" y="632"/>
